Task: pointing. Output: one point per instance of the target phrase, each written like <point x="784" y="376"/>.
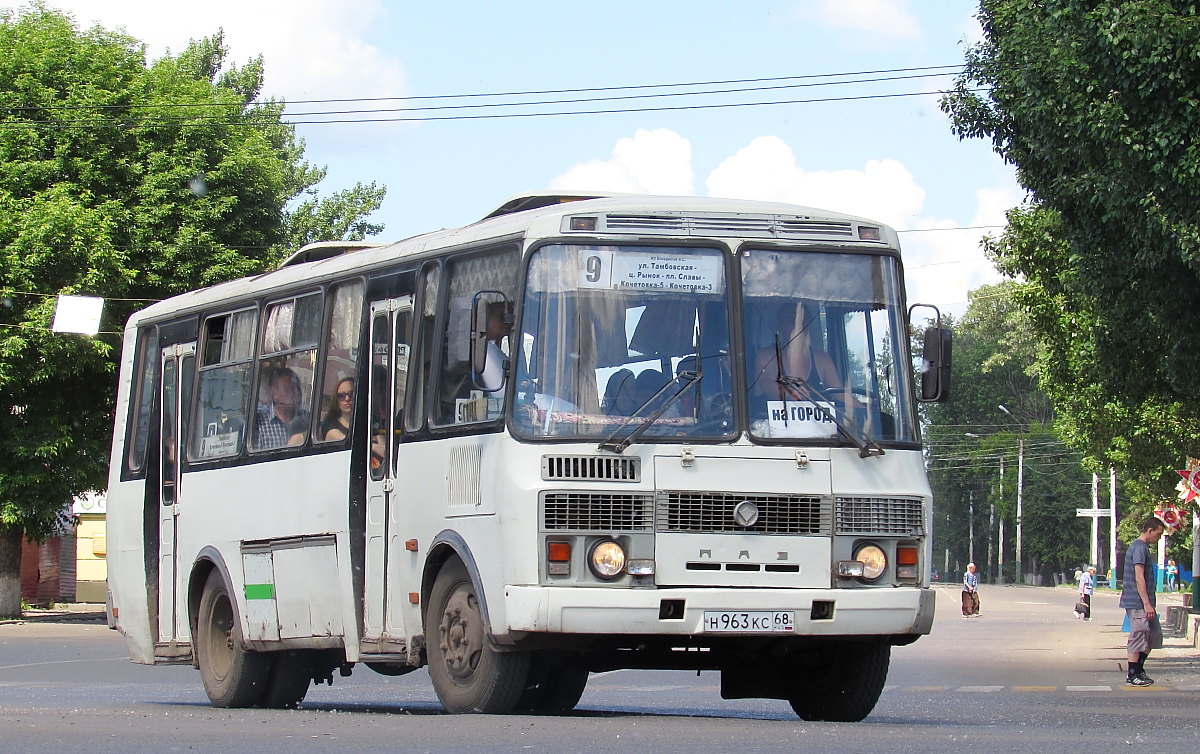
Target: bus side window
<point x="146" y="382"/>
<point x="459" y="400"/>
<point x="339" y="390"/>
<point x="225" y="368"/>
<point x="287" y="362"/>
<point x="423" y="337"/>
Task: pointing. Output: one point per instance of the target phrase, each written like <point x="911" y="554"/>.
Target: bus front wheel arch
<point x="469" y="673"/>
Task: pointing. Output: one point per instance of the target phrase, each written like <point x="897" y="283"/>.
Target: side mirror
<point x="491" y="321"/>
<point x="935" y="361"/>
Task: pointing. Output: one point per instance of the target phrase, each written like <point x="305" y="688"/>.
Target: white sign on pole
<point x="1092" y="512"/>
<point x="79" y="314"/>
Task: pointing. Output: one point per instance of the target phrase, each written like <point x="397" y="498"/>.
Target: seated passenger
<point x="335" y="425"/>
<point x="620" y="395"/>
<point x="283" y="420"/>
<point x="803" y="359"/>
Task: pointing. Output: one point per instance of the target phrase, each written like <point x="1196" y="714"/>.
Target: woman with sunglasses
<point x="335" y="425"/>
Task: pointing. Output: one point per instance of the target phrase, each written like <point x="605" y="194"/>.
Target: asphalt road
<point x="1025" y="676"/>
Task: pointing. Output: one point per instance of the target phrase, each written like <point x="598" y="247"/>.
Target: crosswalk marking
<point x="980" y="689"/>
<point x="1036" y="688"/>
<point x="1073" y="689"/>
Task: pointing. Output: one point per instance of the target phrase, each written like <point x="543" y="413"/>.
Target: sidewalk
<point x="74" y="612"/>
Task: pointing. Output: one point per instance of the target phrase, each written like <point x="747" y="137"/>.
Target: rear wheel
<point x="845" y="685"/>
<point x="468" y="673"/>
<point x="232" y="675"/>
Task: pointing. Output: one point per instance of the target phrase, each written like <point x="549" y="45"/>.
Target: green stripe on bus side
<point x="260" y="591"/>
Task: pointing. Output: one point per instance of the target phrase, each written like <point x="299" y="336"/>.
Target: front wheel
<point x="232" y="675"/>
<point x="468" y="673"/>
<point x="844" y="685"/>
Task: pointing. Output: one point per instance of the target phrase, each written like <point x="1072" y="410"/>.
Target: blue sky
<point x="892" y="159"/>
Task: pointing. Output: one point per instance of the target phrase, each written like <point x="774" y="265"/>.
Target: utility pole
<point x="1095" y="556"/>
<point x="1112" y="527"/>
<point x="1020" y="489"/>
<point x="971" y="529"/>
<point x="1000" y="547"/>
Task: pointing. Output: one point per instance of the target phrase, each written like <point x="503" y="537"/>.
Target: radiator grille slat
<point x="880" y="515"/>
<point x="597" y="511"/>
<point x="712" y="512"/>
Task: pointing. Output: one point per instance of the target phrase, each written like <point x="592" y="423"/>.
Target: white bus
<point x="582" y="434"/>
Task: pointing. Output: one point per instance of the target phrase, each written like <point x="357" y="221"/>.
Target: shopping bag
<point x="1081" y="608"/>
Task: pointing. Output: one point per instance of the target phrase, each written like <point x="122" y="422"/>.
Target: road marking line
<point x="1188" y="687"/>
<point x="1035" y="688"/>
<point x="928" y="688"/>
<point x="1089" y="688"/>
<point x="980" y="689"/>
<point x="1145" y="688"/>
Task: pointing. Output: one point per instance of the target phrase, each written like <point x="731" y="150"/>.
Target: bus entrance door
<point x="383" y="614"/>
<point x="176" y="369"/>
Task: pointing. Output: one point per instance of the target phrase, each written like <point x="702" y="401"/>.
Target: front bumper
<point x="818" y="612"/>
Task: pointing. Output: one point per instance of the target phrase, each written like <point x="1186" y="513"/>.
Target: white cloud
<point x="312" y="48"/>
<point x="766" y="169"/>
<point x="877" y="18"/>
<point x="651" y="162"/>
<point x="943" y="260"/>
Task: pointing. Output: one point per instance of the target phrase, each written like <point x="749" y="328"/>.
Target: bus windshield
<point x="622" y="340"/>
<point x="822" y="332"/>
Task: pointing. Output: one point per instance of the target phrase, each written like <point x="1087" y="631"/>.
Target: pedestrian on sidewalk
<point x="970" y="592"/>
<point x="1087" y="587"/>
<point x="1137" y="597"/>
<point x="1172" y="575"/>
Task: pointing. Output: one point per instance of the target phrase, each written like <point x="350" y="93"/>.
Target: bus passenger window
<point x="225" y="373"/>
<point x="335" y="412"/>
<point x="287" y="362"/>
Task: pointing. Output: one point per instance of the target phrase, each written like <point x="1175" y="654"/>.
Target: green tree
<point x="1095" y="103"/>
<point x="132" y="182"/>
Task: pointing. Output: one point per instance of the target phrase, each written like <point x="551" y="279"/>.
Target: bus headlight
<point x="873" y="559"/>
<point x="607" y="559"/>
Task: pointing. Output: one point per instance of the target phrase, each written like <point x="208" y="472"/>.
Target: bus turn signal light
<point x="906" y="555"/>
<point x="558" y="552"/>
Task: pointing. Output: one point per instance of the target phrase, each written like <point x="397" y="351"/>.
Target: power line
<point x="285" y="120"/>
<point x="946" y="70"/>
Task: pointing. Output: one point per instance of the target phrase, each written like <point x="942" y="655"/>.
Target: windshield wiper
<point x="691" y="378"/>
<point x="804" y="391"/>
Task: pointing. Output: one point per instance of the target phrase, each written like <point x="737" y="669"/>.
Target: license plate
<point x="749" y="621"/>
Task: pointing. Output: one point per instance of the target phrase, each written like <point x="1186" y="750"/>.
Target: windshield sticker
<point x="800" y="419"/>
<point x="668" y="273"/>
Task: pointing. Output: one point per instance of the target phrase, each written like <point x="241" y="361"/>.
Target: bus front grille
<point x="597" y="511"/>
<point x="713" y="512"/>
<point x="880" y="515"/>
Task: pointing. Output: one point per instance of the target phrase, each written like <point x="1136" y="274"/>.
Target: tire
<point x="468" y="673"/>
<point x="846" y="687"/>
<point x="232" y="675"/>
<point x="287" y="685"/>
<point x="552" y="689"/>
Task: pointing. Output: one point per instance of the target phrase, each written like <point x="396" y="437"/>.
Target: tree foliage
<point x="132" y="182"/>
<point x="1095" y="103"/>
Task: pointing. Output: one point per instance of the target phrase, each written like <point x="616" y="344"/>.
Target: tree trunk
<point x="10" y="572"/>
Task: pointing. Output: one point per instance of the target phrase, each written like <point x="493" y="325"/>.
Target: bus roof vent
<point x="591" y="468"/>
<point x="727" y="225"/>
<point x="522" y="202"/>
<point x="315" y="252"/>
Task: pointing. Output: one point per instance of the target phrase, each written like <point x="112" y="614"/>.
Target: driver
<point x="803" y="359"/>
